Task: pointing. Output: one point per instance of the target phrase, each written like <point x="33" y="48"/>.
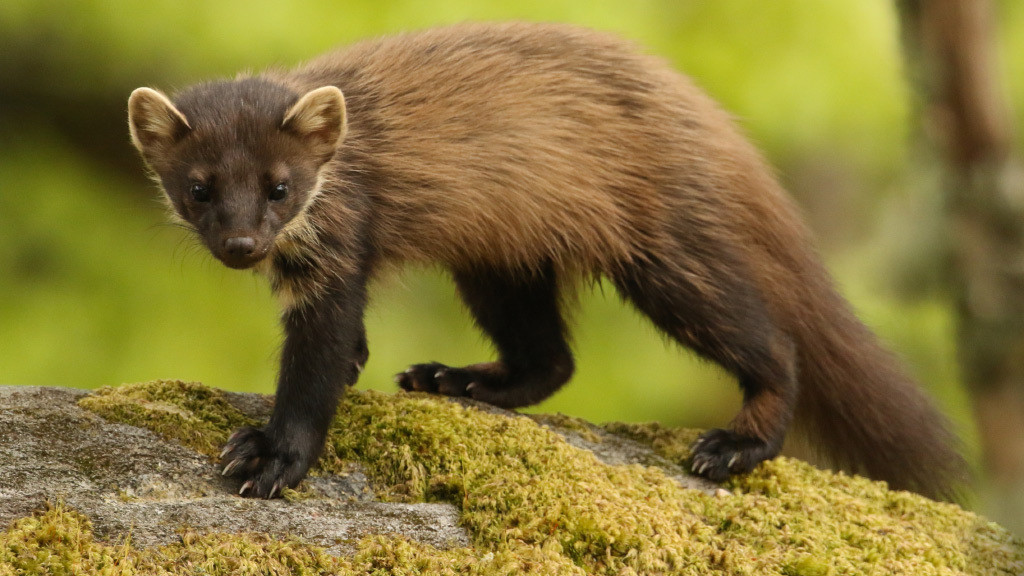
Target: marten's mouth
<point x="242" y="261"/>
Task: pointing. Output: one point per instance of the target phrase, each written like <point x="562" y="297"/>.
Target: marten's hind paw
<point x="250" y="455"/>
<point x="718" y="454"/>
<point x="436" y="378"/>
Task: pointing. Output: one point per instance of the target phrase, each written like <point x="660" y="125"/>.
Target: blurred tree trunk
<point x="966" y="119"/>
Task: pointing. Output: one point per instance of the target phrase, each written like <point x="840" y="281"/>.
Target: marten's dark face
<point x="238" y="160"/>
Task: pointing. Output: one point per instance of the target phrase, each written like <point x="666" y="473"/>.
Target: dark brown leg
<point x="725" y="321"/>
<point x="522" y="317"/>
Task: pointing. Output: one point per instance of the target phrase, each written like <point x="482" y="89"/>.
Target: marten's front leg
<point x="522" y="317"/>
<point x="324" y="351"/>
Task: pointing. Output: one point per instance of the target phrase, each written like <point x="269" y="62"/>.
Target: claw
<point x="231" y="467"/>
<point x="440" y="373"/>
<point x="227" y="450"/>
<point x="733" y="460"/>
<point x="245" y="487"/>
<point x="274" y="490"/>
<point x="701" y="465"/>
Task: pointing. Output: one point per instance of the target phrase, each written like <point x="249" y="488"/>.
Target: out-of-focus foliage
<point x="95" y="289"/>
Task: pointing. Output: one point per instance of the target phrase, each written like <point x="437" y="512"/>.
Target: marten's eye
<point x="278" y="192"/>
<point x="200" y="192"/>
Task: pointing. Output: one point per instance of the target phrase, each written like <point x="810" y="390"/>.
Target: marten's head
<point x="238" y="160"/>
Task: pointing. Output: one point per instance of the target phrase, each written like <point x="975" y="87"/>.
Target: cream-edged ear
<point x="154" y="122"/>
<point x="319" y="119"/>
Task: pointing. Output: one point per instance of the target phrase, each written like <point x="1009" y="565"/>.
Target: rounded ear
<point x="154" y="122"/>
<point x="319" y="119"/>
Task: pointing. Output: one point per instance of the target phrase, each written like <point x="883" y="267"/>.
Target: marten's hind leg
<point x="521" y="315"/>
<point x="724" y="320"/>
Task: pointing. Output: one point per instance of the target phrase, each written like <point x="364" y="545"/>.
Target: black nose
<point x="240" y="246"/>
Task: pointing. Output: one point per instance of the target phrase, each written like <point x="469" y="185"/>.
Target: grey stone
<point x="131" y="483"/>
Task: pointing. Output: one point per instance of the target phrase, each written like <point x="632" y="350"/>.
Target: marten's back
<point x="550" y="143"/>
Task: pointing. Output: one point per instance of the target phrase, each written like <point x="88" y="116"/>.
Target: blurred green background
<point x="96" y="289"/>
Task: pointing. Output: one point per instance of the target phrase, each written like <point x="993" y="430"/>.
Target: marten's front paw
<point x="250" y="455"/>
<point x="717" y="454"/>
<point x="436" y="378"/>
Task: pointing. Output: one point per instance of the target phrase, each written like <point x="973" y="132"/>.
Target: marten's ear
<point x="154" y="122"/>
<point x="319" y="119"/>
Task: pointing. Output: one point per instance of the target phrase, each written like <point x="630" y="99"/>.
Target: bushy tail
<point x="862" y="410"/>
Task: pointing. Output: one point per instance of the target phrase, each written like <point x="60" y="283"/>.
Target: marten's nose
<point x="241" y="252"/>
<point x="240" y="246"/>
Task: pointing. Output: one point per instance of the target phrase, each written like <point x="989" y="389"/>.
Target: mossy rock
<point x="531" y="501"/>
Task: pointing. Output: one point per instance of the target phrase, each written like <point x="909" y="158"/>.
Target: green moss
<point x="59" y="541"/>
<point x="569" y="423"/>
<point x="521" y="484"/>
<point x="195" y="415"/>
<point x="534" y="504"/>
<point x="672" y="443"/>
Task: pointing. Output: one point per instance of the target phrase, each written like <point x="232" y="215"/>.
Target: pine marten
<point x="526" y="159"/>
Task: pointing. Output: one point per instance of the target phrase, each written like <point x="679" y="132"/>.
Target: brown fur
<point x="532" y="155"/>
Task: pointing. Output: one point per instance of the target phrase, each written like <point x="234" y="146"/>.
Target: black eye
<point x="200" y="192"/>
<point x="279" y="191"/>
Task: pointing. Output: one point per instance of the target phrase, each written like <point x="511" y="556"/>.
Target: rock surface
<point x="128" y="480"/>
<point x="507" y="494"/>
